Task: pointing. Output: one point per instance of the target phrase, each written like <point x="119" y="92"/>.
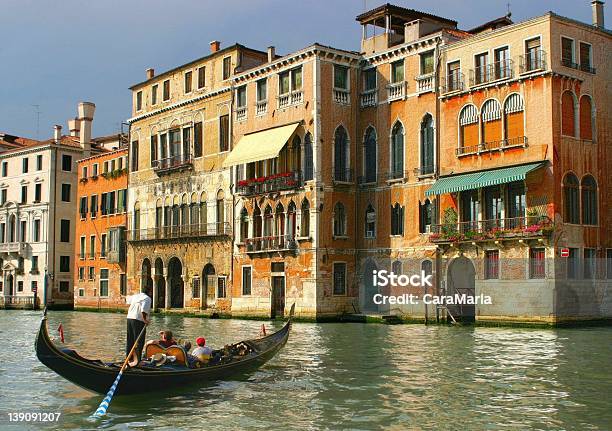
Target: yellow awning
<point x="260" y="145"/>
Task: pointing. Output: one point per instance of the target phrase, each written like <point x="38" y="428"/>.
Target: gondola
<point x="98" y="376"/>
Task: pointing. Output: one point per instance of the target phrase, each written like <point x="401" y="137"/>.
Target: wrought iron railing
<point x="271" y="183"/>
<point x="270" y="243"/>
<point x="479" y="230"/>
<point x="173" y="162"/>
<point x="503" y="69"/>
<point x="454" y="82"/>
<point x="534" y="60"/>
<point x="180" y="231"/>
<point x="519" y="141"/>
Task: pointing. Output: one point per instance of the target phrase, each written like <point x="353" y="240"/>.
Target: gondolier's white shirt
<point x="139" y="303"/>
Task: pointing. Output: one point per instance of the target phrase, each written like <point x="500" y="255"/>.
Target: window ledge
<point x="340" y="237"/>
<point x="303" y="238"/>
<point x="396" y="180"/>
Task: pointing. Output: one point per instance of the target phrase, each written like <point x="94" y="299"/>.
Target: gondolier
<point x="137" y="318"/>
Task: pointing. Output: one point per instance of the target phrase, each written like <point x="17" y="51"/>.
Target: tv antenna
<point x="508" y="14"/>
<point x="37" y="112"/>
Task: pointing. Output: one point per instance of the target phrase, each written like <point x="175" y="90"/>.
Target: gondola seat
<point x="153" y="347"/>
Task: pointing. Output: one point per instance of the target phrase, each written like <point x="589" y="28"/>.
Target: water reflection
<point x="336" y="376"/>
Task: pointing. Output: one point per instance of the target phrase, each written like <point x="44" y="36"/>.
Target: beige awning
<point x="260" y="145"/>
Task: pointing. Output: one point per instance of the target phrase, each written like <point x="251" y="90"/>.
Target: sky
<point x="54" y="54"/>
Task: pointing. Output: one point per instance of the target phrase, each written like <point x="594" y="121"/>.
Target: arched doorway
<point x="146" y="280"/>
<point x="10" y="285"/>
<point x="175" y="279"/>
<point x="209" y="285"/>
<point x="461" y="280"/>
<point x="369" y="289"/>
<point x="161" y="283"/>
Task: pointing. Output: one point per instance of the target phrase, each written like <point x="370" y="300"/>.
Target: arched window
<point x="491" y="123"/>
<point x="370" y="222"/>
<point x="397" y="151"/>
<point x="397" y="219"/>
<point x="220" y="212"/>
<point x="305" y="222"/>
<point x="257" y="222"/>
<point x="568" y="114"/>
<point x="12" y="227"/>
<point x="427" y="145"/>
<point x="279" y="221"/>
<point x="427" y="267"/>
<point x="514" y="119"/>
<point x="268" y="220"/>
<point x="291" y="227"/>
<point x="468" y="129"/>
<point x="571" y="212"/>
<point x="184" y="212"/>
<point x="586" y="118"/>
<point x="370" y="156"/>
<point x="296" y="157"/>
<point x="425" y="216"/>
<point x="308" y="158"/>
<point x="339" y="220"/>
<point x="396" y="267"/>
<point x="203" y="213"/>
<point x="589" y="200"/>
<point x="341" y="162"/>
<point x="244" y="224"/>
<point x="194" y="212"/>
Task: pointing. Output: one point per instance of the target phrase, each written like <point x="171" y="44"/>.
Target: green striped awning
<point x="477" y="180"/>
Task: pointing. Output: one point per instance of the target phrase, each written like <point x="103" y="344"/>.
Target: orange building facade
<point x="100" y="248"/>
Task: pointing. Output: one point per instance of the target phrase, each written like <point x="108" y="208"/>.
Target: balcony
<point x="266" y="244"/>
<point x="289" y="99"/>
<point x="533" y="61"/>
<point x="492" y="72"/>
<point x="454" y="82"/>
<point x="16" y="247"/>
<point x="173" y="163"/>
<point x="485" y="147"/>
<point x="425" y="83"/>
<point x="241" y="113"/>
<point x="179" y="232"/>
<point x="492" y="230"/>
<point x="261" y="107"/>
<point x="269" y="184"/>
<point x="396" y="91"/>
<point x="369" y="98"/>
<point x="342" y="96"/>
<point x="341" y="175"/>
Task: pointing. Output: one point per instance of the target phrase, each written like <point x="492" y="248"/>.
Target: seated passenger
<point x="166" y="339"/>
<point x="202" y="352"/>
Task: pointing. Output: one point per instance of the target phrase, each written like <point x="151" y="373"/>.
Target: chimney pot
<point x="74" y="126"/>
<point x="57" y="133"/>
<point x="150" y="73"/>
<point x="271" y="54"/>
<point x="598" y="13"/>
<point x="86" y="112"/>
<point x="215" y="45"/>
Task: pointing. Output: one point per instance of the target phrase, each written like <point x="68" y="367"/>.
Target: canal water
<point x="333" y="376"/>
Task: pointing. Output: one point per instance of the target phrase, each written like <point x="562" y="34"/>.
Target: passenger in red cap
<point x="202" y="352"/>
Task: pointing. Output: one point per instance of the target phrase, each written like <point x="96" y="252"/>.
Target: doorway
<point x="461" y="280"/>
<point x="175" y="275"/>
<point x="210" y="283"/>
<point x="278" y="297"/>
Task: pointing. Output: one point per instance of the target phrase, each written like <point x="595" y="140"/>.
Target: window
<point x="516" y="203"/>
<point x="22" y="230"/>
<point x="84" y="172"/>
<point x="64" y="263"/>
<point x="201" y="77"/>
<point x="227" y="67"/>
<point x="4" y="169"/>
<point x="92" y="246"/>
<point x="573" y="263"/>
<point x="39" y="160"/>
<point x="241" y="96"/>
<point x="339" y="220"/>
<point x="224" y="133"/>
<point x="122" y="284"/>
<point x="397" y="71"/>
<point x="197" y="139"/>
<point x="369" y="79"/>
<point x="94" y="170"/>
<point x="36" y="233"/>
<point x="502" y="67"/>
<point x="20" y="262"/>
<point x="453" y="76"/>
<point x="244" y="225"/>
<point x="64" y="286"/>
<point x="491" y="264"/>
<point x="571" y="212"/>
<point x="20" y="286"/>
<point x="468" y="129"/>
<point x="64" y="230"/>
<point x="166" y="90"/>
<point x="589" y="200"/>
<point x="37" y="192"/>
<point x="427" y="62"/>
<point x="103" y="245"/>
<point x="370" y="156"/>
<point x="81" y="274"/>
<point x="188" y="81"/>
<point x="370" y="222"/>
<point x="3" y="196"/>
<point x="246" y="280"/>
<point x="341" y="155"/>
<point x="195" y="287"/>
<point x="397" y="151"/>
<point x="586" y="118"/>
<point x="533" y="55"/>
<point x="586" y="57"/>
<point x="153" y="151"/>
<point x="568" y="111"/>
<point x="308" y="158"/>
<point x="305" y="221"/>
<point x="221" y="287"/>
<point x="121" y="200"/>
<point x="341" y="77"/>
<point x="34" y="263"/>
<point x="283" y="83"/>
<point x="491" y="123"/>
<point x="397" y="219"/>
<point x="24" y="165"/>
<point x="110" y="201"/>
<point x="514" y="121"/>
<point x="65" y="192"/>
<point x="590" y="259"/>
<point x="296" y="79"/>
<point x="427" y="145"/>
<point x="339" y="278"/>
<point x="537" y="263"/>
<point x="154" y="89"/>
<point x="262" y="90"/>
<point x="24" y="194"/>
<point x="66" y="163"/>
<point x="83" y="207"/>
<point x="82" y="248"/>
<point x="93" y="207"/>
<point x="91" y="273"/>
<point x="134" y="148"/>
<point x="567" y="52"/>
<point x="481" y="68"/>
<point x="104" y="282"/>
<point x="139" y="101"/>
<point x="426" y="216"/>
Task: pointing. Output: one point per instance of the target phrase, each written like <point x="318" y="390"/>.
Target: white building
<point x="38" y="205"/>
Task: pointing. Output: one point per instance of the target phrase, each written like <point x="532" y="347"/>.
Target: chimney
<point x="214" y="46"/>
<point x="86" y="112"/>
<point x="150" y="73"/>
<point x="598" y="13"/>
<point x="271" y="54"/>
<point x="57" y="133"/>
<point x="74" y="126"/>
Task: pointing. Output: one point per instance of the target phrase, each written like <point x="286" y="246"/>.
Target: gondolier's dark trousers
<point x="134" y="327"/>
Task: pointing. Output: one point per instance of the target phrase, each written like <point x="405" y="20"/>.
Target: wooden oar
<point x="101" y="411"/>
